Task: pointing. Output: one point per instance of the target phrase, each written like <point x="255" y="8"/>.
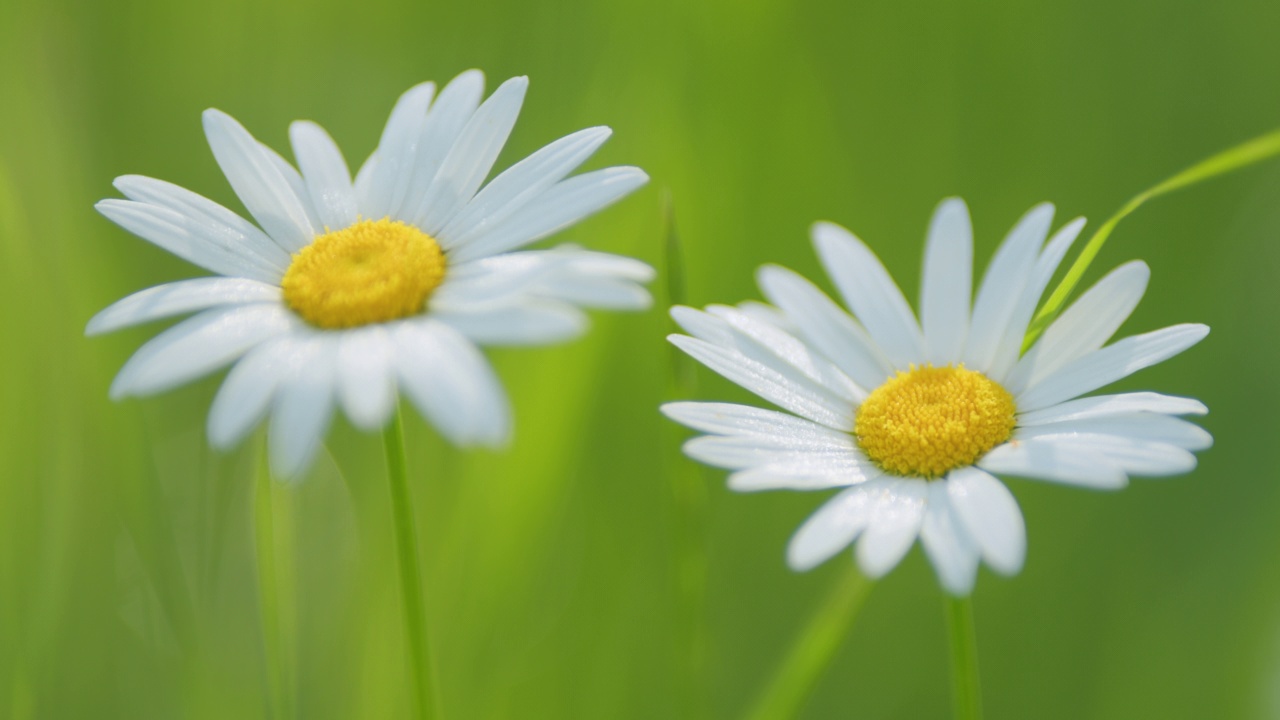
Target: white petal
<point x="896" y="517"/>
<point x="732" y="419"/>
<point x="451" y="383"/>
<point x="566" y="203"/>
<point x="1105" y="366"/>
<point x="325" y="172"/>
<point x="303" y="407"/>
<point x="793" y="476"/>
<point x="870" y="292"/>
<point x="219" y="250"/>
<point x="822" y="456"/>
<point x="520" y="183"/>
<point x="836" y="524"/>
<point x="224" y="227"/>
<point x="947" y="544"/>
<point x="530" y="322"/>
<point x="258" y="182"/>
<point x="248" y="391"/>
<point x="762" y="340"/>
<point x="1011" y="344"/>
<point x="1083" y="327"/>
<point x="1054" y="461"/>
<point x="1132" y="456"/>
<point x="366" y="378"/>
<point x="471" y="157"/>
<point x="1002" y="287"/>
<point x="990" y="515"/>
<point x="449" y="113"/>
<point x="198" y="346"/>
<point x="390" y="176"/>
<point x="1134" y="426"/>
<point x="178" y="298"/>
<point x="824" y="324"/>
<point x="1104" y="405"/>
<point x="788" y="389"/>
<point x="947" y="286"/>
<point x="297" y="186"/>
<point x="703" y="325"/>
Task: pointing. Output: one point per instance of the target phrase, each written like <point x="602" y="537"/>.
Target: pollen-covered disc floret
<point x="929" y="420"/>
<point x="373" y="271"/>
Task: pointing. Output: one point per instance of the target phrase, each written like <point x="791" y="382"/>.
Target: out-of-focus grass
<point x="128" y="584"/>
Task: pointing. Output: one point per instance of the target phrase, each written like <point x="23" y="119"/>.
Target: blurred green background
<point x="128" y="580"/>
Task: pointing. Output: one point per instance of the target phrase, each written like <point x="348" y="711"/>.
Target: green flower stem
<point x="812" y="651"/>
<point x="415" y="616"/>
<point x="689" y="497"/>
<point x="266" y="538"/>
<point x="966" y="692"/>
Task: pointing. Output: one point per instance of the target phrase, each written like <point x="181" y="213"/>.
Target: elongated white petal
<point x="390" y="177"/>
<point x="1132" y="456"/>
<point x="258" y="182"/>
<point x="790" y="390"/>
<point x="1014" y="335"/>
<point x="761" y="339"/>
<point x="1105" y="366"/>
<point x="530" y="322"/>
<point x="737" y="453"/>
<point x="296" y="185"/>
<point x="990" y="515"/>
<point x="1104" y="405"/>
<point x="949" y="547"/>
<point x="946" y="289"/>
<point x="790" y="476"/>
<point x="451" y="383"/>
<point x="521" y="183"/>
<point x="1002" y="287"/>
<point x="1134" y="426"/>
<point x="895" y="523"/>
<point x="1055" y="461"/>
<point x="744" y="420"/>
<point x="198" y="346"/>
<point x="303" y="407"/>
<point x="248" y="391"/>
<point x="472" y="156"/>
<point x="221" y="252"/>
<point x="1084" y="327"/>
<point x="449" y="113"/>
<point x="178" y="298"/>
<point x="566" y="203"/>
<point x="836" y="524"/>
<point x="703" y="325"/>
<point x="824" y="324"/>
<point x="870" y="292"/>
<point x="325" y="172"/>
<point x="366" y="376"/>
<point x="220" y="225"/>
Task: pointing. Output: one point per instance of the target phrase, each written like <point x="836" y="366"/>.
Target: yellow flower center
<point x="370" y="272"/>
<point x="929" y="420"/>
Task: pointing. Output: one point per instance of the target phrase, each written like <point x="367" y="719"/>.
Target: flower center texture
<point x="373" y="271"/>
<point x="930" y="420"/>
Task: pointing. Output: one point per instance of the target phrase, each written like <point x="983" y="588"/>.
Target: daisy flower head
<point x="912" y="420"/>
<point x="349" y="291"/>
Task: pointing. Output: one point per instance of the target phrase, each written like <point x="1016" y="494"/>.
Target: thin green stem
<point x="269" y="593"/>
<point x="966" y="692"/>
<point x="798" y="674"/>
<point x="415" y="616"/>
<point x="1243" y="155"/>
<point x="689" y="497"/>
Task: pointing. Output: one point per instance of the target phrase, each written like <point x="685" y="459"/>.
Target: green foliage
<point x="129" y="578"/>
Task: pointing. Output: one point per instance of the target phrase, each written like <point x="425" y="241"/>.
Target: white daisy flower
<point x="347" y="292"/>
<point x="914" y="419"/>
